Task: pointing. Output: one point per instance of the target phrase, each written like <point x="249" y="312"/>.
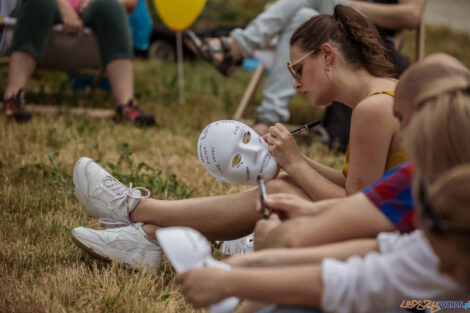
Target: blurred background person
<point x="109" y="22"/>
<point x="281" y="19"/>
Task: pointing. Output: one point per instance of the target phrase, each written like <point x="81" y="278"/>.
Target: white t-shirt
<point x="405" y="269"/>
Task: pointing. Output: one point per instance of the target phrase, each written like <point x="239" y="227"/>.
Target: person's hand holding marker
<point x="289" y="206"/>
<point x="262" y="197"/>
<point x="263" y="228"/>
<point x="269" y="221"/>
<point x="282" y="144"/>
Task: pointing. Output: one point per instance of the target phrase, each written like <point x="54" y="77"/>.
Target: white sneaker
<point x="103" y="195"/>
<point x="128" y="245"/>
<point x="238" y="246"/>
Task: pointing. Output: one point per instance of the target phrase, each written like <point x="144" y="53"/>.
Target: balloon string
<point x="179" y="55"/>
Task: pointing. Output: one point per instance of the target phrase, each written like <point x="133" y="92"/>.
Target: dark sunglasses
<point x="430" y="217"/>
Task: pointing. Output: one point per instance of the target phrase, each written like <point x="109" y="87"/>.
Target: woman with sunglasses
<point x="385" y="205"/>
<point x="407" y="267"/>
<point x="344" y="61"/>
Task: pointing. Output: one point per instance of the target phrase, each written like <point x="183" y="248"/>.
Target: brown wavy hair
<point x="357" y="37"/>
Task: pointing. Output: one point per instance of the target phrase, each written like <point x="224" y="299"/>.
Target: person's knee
<point x="108" y="7"/>
<point x="277" y="185"/>
<point x="41" y="7"/>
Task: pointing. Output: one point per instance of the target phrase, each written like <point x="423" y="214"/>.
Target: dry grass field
<point x="41" y="270"/>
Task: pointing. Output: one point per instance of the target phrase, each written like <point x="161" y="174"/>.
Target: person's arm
<point x="70" y="19"/>
<point x="301" y="256"/>
<point x="282" y="146"/>
<point x="333" y="175"/>
<point x="405" y="14"/>
<point x="373" y="128"/>
<point x="353" y="217"/>
<point x="407" y="268"/>
<point x="289" y="205"/>
<point x="299" y="285"/>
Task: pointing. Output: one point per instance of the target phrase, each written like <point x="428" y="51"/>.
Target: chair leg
<point x="420" y="41"/>
<point x="250" y="92"/>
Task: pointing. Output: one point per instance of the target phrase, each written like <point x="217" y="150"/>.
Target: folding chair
<point x="63" y="52"/>
<point x="72" y="54"/>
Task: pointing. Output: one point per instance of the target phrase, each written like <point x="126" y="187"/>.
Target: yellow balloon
<point x="179" y="14"/>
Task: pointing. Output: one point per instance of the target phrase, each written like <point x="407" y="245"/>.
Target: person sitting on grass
<point x="107" y="19"/>
<point x="384" y="206"/>
<point x="333" y="277"/>
<point x="345" y="61"/>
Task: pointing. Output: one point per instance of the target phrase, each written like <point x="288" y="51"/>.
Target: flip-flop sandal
<point x="202" y="48"/>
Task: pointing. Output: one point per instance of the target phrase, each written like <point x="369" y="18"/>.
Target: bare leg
<point x="150" y="229"/>
<point x="22" y="65"/>
<point x="218" y="218"/>
<point x="235" y="51"/>
<point x="120" y="73"/>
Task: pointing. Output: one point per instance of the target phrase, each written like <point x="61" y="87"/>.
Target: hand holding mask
<point x="186" y="248"/>
<point x="234" y="153"/>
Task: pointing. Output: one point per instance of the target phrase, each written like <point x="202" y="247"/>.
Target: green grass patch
<point x="41" y="270"/>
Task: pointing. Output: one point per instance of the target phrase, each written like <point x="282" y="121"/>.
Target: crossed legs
<point x="221" y="217"/>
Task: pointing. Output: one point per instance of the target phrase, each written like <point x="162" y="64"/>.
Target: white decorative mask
<point x="234" y="153"/>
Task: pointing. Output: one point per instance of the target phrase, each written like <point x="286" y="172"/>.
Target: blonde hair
<point x="450" y="196"/>
<point x="435" y="75"/>
<point x="438" y="136"/>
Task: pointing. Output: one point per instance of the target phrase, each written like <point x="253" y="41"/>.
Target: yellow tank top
<point x="392" y="159"/>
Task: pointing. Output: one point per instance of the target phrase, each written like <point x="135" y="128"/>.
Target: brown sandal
<point x="202" y="48"/>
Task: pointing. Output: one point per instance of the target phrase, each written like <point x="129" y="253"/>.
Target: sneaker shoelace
<point x="122" y="193"/>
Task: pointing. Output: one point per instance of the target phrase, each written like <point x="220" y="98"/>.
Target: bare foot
<point x="211" y="51"/>
<point x="150" y="230"/>
<point x="235" y="52"/>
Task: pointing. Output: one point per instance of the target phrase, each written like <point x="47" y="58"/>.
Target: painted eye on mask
<point x="246" y="137"/>
<point x="236" y="160"/>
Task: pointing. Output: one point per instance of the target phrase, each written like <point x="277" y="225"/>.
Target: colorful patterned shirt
<point x="392" y="196"/>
